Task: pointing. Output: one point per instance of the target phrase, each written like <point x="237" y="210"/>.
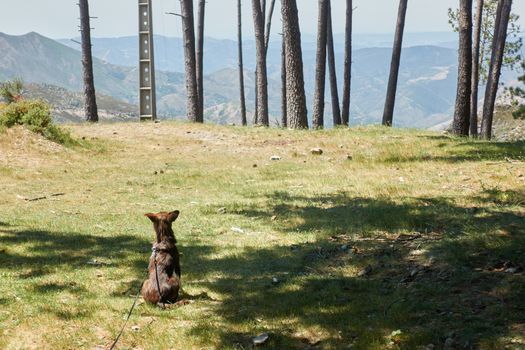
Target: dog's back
<point x="163" y="283"/>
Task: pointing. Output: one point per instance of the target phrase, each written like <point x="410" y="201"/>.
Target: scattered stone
<point x="349" y="157"/>
<point x="275" y="158"/>
<point x="275" y="281"/>
<point x="155" y="172"/>
<point x="254" y="166"/>
<point x="341" y="146"/>
<point x="344" y="247"/>
<point x="511" y="270"/>
<point x="365" y="272"/>
<point x="316" y="151"/>
<point x="221" y="210"/>
<point x="135" y="328"/>
<point x="401" y="179"/>
<point x="237" y="229"/>
<point x="162" y="171"/>
<point x="449" y="343"/>
<point x="274" y="218"/>
<point x="260" y="339"/>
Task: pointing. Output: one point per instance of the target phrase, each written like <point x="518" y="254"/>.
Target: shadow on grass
<point x="438" y="272"/>
<point x="45" y="252"/>
<point x="470" y="151"/>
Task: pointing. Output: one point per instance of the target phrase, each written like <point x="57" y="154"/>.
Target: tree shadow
<point x="437" y="271"/>
<point x="47" y="252"/>
<point x="469" y="151"/>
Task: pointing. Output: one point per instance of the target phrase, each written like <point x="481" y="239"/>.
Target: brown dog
<point x="163" y="283"/>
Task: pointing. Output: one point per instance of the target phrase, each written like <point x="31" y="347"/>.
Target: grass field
<point x="391" y="239"/>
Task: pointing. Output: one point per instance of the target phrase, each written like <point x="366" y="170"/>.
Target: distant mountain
<point x="222" y="53"/>
<point x="68" y="106"/>
<point x="427" y="82"/>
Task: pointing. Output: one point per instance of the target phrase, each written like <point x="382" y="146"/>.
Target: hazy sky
<point x="59" y="18"/>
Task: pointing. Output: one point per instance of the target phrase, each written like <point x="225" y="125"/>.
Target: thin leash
<point x="127" y="319"/>
<point x="154" y="249"/>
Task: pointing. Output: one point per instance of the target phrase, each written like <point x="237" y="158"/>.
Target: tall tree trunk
<point x="241" y="64"/>
<point x="295" y="95"/>
<point x="188" y="31"/>
<point x="269" y="26"/>
<point x="262" y="78"/>
<point x="388" y="114"/>
<point x="200" y="57"/>
<point x="284" y="116"/>
<point x="320" y="68"/>
<point x="336" y="111"/>
<point x="475" y="69"/>
<point x="90" y="100"/>
<point x="347" y="78"/>
<point x="496" y="61"/>
<point x="460" y="126"/>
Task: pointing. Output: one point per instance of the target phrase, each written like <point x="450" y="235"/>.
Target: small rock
<point x="221" y="210"/>
<point x="349" y="157"/>
<point x="401" y="179"/>
<point x="511" y="270"/>
<point x="135" y="328"/>
<point x="260" y="339"/>
<point x="275" y="280"/>
<point x="237" y="229"/>
<point x="275" y="158"/>
<point x="316" y="151"/>
<point x="366" y="271"/>
<point x="155" y="173"/>
<point x="274" y="218"/>
<point x="344" y="247"/>
<point x="341" y="146"/>
<point x="449" y="343"/>
<point x="162" y="171"/>
<point x="254" y="166"/>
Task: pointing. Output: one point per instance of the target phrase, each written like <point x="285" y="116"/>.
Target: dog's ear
<point x="173" y="215"/>
<point x="152" y="217"/>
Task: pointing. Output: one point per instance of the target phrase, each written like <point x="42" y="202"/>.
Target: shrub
<point x="36" y="116"/>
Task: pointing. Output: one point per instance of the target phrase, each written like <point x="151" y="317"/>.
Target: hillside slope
<point x="391" y="239"/>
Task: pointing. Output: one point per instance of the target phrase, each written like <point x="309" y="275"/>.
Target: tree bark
<point x="388" y="114"/>
<point x="336" y="111"/>
<point x="347" y="78"/>
<point x="284" y="117"/>
<point x="262" y="78"/>
<point x="320" y="68"/>
<point x="475" y="69"/>
<point x="200" y="58"/>
<point x="269" y="26"/>
<point x="460" y="125"/>
<point x="496" y="61"/>
<point x="241" y="64"/>
<point x="90" y="100"/>
<point x="295" y="95"/>
<point x="188" y="31"/>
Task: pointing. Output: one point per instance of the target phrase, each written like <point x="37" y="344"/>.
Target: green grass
<point x="438" y="219"/>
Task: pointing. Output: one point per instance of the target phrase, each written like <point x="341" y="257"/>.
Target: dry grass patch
<point x="389" y="239"/>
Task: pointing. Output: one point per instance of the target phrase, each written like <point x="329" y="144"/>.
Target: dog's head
<point x="162" y="223"/>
